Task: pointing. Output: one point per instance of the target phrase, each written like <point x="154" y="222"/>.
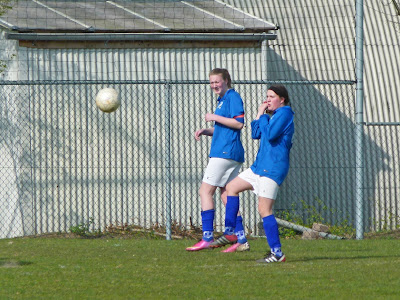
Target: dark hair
<point x="224" y="73"/>
<point x="281" y="91"/>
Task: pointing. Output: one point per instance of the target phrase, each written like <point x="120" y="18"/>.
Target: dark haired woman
<point x="270" y="168"/>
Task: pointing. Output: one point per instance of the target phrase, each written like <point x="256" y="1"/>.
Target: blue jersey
<point x="226" y="141"/>
<point x="276" y="134"/>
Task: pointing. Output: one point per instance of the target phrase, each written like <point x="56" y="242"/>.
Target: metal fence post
<point x="167" y="169"/>
<point x="359" y="217"/>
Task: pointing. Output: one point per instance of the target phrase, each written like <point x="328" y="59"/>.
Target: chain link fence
<point x="65" y="163"/>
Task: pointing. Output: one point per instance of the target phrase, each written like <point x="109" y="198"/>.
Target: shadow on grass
<point x="5" y="263"/>
<point x="329" y="258"/>
<point x="344" y="258"/>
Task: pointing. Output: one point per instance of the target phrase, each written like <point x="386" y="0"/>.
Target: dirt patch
<point x="10" y="264"/>
<point x="159" y="232"/>
<point x="392" y="235"/>
<point x="5" y="263"/>
<point x="127" y="232"/>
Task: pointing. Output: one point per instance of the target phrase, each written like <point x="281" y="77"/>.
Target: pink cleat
<point x="238" y="247"/>
<point x="200" y="246"/>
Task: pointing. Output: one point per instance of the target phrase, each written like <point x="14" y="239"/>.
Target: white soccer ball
<point x="107" y="100"/>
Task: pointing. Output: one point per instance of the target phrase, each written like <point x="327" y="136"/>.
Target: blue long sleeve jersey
<point x="226" y="141"/>
<point x="276" y="134"/>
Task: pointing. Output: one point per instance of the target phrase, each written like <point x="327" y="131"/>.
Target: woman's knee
<point x="232" y="189"/>
<point x="206" y="190"/>
<point x="265" y="207"/>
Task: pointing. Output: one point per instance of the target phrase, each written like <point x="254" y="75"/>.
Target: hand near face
<point x="262" y="108"/>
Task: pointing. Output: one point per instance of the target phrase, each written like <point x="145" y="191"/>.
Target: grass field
<point x="153" y="268"/>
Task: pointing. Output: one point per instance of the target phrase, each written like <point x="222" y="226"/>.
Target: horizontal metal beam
<point x="76" y="82"/>
<point x="381" y="123"/>
<point x="140" y="36"/>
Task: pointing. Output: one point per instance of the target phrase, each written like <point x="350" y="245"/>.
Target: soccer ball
<point x="107" y="100"/>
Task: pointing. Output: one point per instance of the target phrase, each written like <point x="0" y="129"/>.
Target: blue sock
<point x="272" y="234"/>
<point x="231" y="211"/>
<point x="207" y="219"/>
<point x="229" y="230"/>
<point x="208" y="236"/>
<point x="239" y="230"/>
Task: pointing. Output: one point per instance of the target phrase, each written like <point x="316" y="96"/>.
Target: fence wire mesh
<point x="65" y="163"/>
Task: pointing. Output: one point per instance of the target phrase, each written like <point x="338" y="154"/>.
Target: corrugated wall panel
<point x="317" y="39"/>
<point x="141" y="64"/>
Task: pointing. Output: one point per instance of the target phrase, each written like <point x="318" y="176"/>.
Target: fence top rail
<point x="381" y="123"/>
<point x="77" y="82"/>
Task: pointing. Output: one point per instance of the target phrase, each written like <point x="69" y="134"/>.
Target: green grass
<point x="112" y="268"/>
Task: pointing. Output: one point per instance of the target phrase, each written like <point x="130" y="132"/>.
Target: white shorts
<point x="263" y="186"/>
<point x="220" y="171"/>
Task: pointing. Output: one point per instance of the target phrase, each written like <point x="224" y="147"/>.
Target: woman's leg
<point x="232" y="220"/>
<point x="206" y="193"/>
<point x="236" y="186"/>
<point x="265" y="208"/>
<point x="207" y="210"/>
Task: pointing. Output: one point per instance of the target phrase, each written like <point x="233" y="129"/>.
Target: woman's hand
<point x="261" y="109"/>
<point x="198" y="133"/>
<point x="203" y="131"/>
